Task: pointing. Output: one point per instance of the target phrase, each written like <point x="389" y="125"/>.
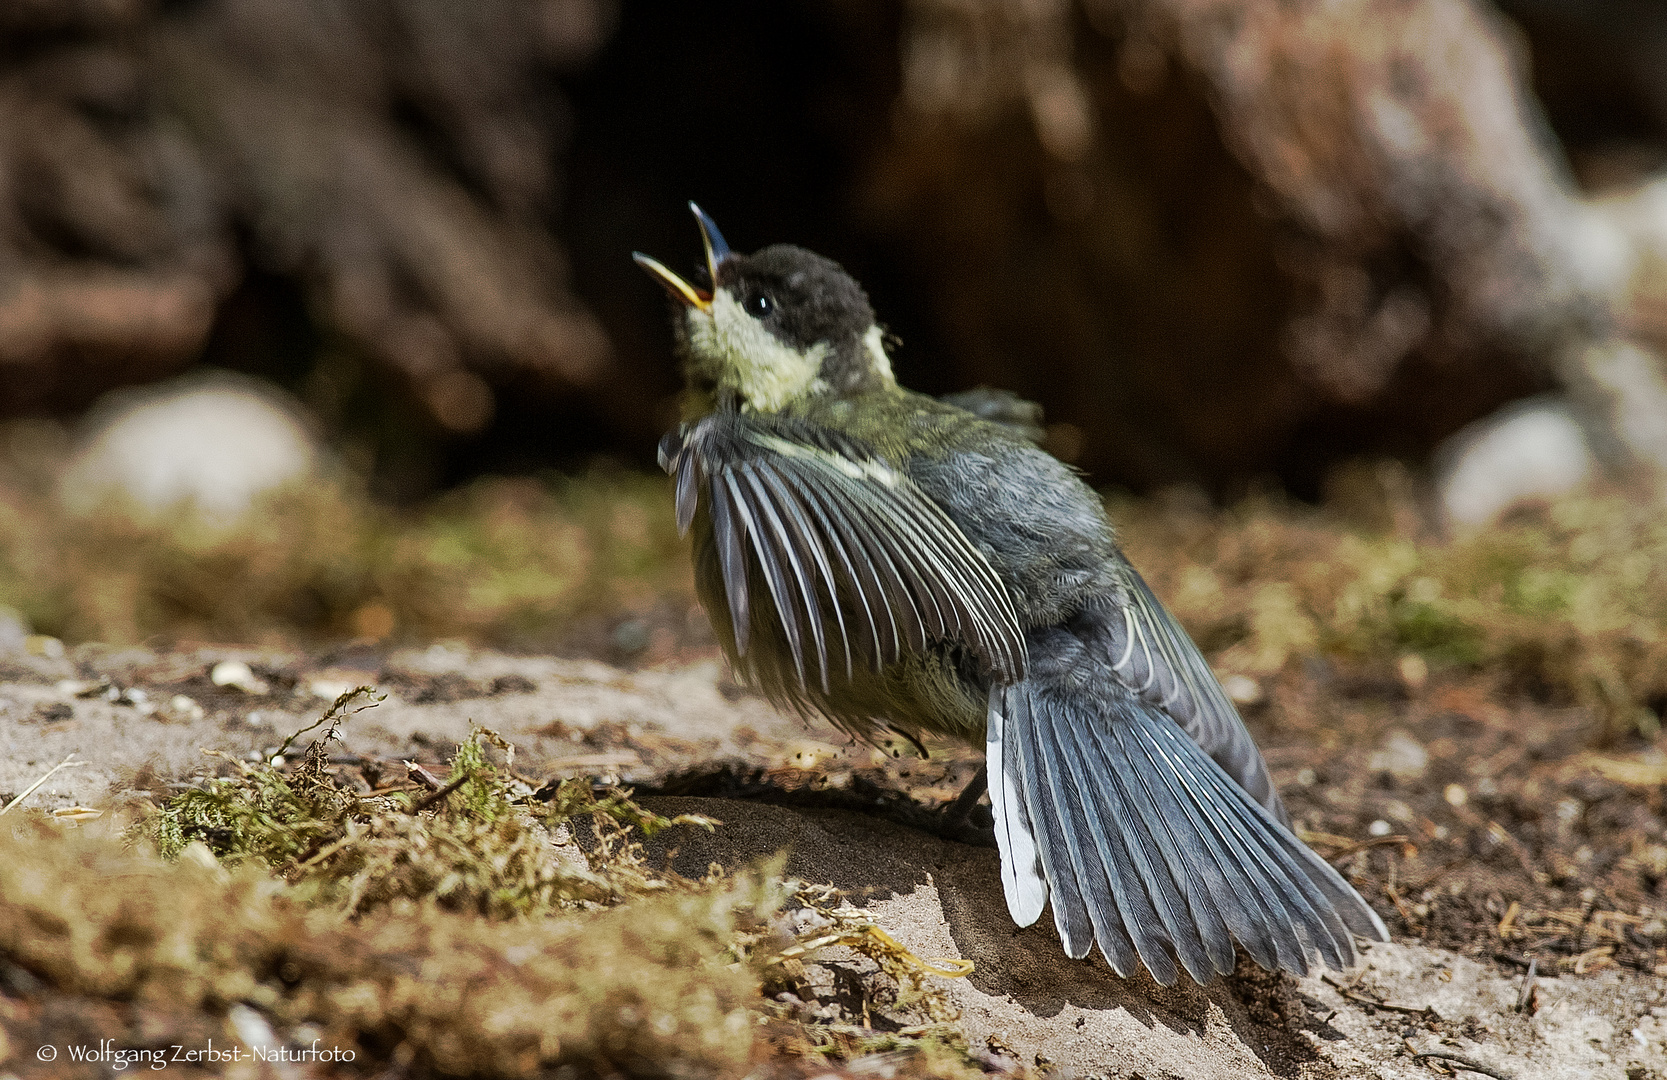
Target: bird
<point x="895" y="562"/>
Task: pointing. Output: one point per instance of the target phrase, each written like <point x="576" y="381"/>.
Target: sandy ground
<point x="659" y="728"/>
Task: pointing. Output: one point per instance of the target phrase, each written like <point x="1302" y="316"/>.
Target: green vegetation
<point x="1567" y="605"/>
<point x="471" y="928"/>
<point x="501" y="561"/>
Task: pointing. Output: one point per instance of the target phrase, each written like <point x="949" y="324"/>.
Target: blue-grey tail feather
<point x="1149" y="849"/>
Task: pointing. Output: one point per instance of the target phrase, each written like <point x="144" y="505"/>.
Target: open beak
<point x="716" y="253"/>
<point x="680" y="290"/>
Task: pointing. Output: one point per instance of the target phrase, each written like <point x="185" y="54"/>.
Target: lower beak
<point x="716" y="252"/>
<point x="680" y="290"/>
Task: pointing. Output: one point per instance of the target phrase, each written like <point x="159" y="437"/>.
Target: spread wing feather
<point x="848" y="548"/>
<point x="1156" y="659"/>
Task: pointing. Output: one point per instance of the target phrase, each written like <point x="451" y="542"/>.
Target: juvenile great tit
<point x="892" y="561"/>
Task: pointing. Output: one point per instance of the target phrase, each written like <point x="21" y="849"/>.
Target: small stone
<point x="238" y="675"/>
<point x="43" y="645"/>
<point x="53" y="712"/>
<point x="631" y="636"/>
<point x="181" y="707"/>
<point x="1379" y="827"/>
<point x="1531" y="451"/>
<point x="1455" y="794"/>
<point x="1401" y="756"/>
<point x="1242" y="689"/>
<point x="212" y="442"/>
<point x="1415" y="671"/>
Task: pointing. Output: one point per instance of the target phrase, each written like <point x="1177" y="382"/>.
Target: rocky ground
<point x="1518" y="870"/>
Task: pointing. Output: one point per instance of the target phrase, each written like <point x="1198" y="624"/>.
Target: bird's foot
<point x="964" y="820"/>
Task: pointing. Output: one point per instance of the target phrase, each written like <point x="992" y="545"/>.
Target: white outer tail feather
<point x="1021" y="867"/>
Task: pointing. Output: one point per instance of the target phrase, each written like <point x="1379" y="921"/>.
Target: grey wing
<point x="1156" y="659"/>
<point x="858" y="564"/>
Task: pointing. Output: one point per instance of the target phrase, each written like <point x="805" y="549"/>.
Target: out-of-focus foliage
<point x="499" y="560"/>
<point x="1568" y="604"/>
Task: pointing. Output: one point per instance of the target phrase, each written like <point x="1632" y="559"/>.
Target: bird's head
<point x="776" y="327"/>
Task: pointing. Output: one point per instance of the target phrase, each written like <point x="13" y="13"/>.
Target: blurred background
<point x="318" y="321"/>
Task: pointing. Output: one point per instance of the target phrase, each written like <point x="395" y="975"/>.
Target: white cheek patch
<point x="739" y="353"/>
<point x="875" y="341"/>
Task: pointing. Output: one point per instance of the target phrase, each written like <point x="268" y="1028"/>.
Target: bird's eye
<point x="760" y="305"/>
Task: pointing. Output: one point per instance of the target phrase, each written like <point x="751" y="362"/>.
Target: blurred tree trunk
<point x="398" y="159"/>
<point x="1216" y="238"/>
<point x="1260" y="235"/>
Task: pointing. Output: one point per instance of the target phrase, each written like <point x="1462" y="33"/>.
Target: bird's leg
<point x="961" y="819"/>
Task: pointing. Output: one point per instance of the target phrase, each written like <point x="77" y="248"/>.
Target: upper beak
<point x="716" y="253"/>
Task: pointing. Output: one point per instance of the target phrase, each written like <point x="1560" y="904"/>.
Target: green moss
<point x="649" y="988"/>
<point x="1571" y="602"/>
<point x="483" y="842"/>
<point x="461" y="928"/>
<point x="500" y="560"/>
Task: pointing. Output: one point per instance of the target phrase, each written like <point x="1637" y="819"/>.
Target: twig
<point x="1525" y="996"/>
<point x="32" y="788"/>
<point x="1466" y="1063"/>
<point x="433" y="797"/>
<point x="1401" y="906"/>
<point x="1394" y="895"/>
<point x="1507" y="924"/>
<point x="1430" y="879"/>
<point x="1594" y="957"/>
<point x="1410" y="1010"/>
<point x="1502" y="835"/>
<point x="1376" y="841"/>
<point x="422" y="776"/>
<point x="337" y="711"/>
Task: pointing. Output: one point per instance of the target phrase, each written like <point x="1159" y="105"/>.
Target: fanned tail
<point x="1148" y="848"/>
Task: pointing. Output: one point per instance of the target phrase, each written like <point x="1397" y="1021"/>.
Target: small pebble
<point x="237" y="674"/>
<point x="631" y="636"/>
<point x="1242" y="689"/>
<point x="1415" y="671"/>
<point x="1379" y="827"/>
<point x="1402" y="756"/>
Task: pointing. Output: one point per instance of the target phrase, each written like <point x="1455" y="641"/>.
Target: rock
<point x="1533" y="450"/>
<point x="1401" y="756"/>
<point x="237" y="674"/>
<point x="215" y="441"/>
<point x="943" y="899"/>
